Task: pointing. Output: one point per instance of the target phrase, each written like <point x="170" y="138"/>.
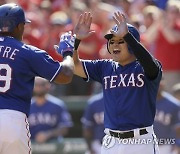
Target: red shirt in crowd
<point x="168" y="53"/>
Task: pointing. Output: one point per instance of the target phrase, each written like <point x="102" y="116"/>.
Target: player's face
<point x="119" y="51"/>
<point x="41" y="87"/>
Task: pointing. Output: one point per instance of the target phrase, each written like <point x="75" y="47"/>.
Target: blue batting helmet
<point x="10" y="16"/>
<point x="131" y="29"/>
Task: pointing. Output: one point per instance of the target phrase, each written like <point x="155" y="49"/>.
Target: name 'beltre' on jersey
<point x="8" y="52"/>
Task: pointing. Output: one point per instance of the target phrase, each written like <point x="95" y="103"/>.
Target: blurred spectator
<point x="165" y="33"/>
<point x="88" y="49"/>
<point x="126" y="6"/>
<point x="32" y="34"/>
<point x="103" y="11"/>
<point x="136" y="20"/>
<point x="90" y="46"/>
<point x="136" y="6"/>
<point x="60" y="4"/>
<point x="160" y="35"/>
<point x="49" y="119"/>
<point x="167" y="116"/>
<point x="39" y="15"/>
<point x="2" y="2"/>
<point x="36" y="2"/>
<point x="45" y="11"/>
<point x="161" y="3"/>
<point x="93" y="123"/>
<point x="150" y="15"/>
<point x="58" y="20"/>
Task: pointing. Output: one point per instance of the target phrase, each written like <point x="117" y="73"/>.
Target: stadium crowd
<point x="157" y="20"/>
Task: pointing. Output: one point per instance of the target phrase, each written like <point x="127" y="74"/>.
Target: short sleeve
<point x="43" y="65"/>
<point x="94" y="69"/>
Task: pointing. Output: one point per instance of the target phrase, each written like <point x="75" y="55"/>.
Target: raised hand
<point x="82" y="29"/>
<point x="122" y="28"/>
<point x="66" y="44"/>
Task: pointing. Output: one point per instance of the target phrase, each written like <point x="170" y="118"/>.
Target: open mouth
<point x="116" y="51"/>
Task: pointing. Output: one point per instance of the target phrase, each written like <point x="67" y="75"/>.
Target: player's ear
<point x="18" y="31"/>
<point x="20" y="26"/>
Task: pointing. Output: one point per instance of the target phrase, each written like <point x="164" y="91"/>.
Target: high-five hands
<point x="121" y="23"/>
<point x="82" y="29"/>
<point x="66" y="44"/>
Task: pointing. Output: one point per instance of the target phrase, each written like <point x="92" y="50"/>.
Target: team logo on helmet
<point x="131" y="29"/>
<point x="115" y="28"/>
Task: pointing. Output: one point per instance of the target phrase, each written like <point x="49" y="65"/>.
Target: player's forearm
<point x="76" y="58"/>
<point x="67" y="71"/>
<point x="79" y="70"/>
<point x="68" y="66"/>
<point x="147" y="61"/>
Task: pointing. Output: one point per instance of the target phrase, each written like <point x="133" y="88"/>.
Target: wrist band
<point x="76" y="43"/>
<point x="67" y="53"/>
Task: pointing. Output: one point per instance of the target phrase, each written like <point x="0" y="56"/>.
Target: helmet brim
<point x="108" y="36"/>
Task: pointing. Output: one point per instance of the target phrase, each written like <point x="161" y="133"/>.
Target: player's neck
<point x="40" y="100"/>
<point x="13" y="35"/>
<point x="128" y="61"/>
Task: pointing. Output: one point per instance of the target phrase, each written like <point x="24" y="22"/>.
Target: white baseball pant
<point x="14" y="133"/>
<point x="140" y="144"/>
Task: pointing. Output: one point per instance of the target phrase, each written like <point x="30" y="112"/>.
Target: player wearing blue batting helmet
<point x="130" y="83"/>
<point x="10" y="16"/>
<point x="20" y="63"/>
<point x="131" y="29"/>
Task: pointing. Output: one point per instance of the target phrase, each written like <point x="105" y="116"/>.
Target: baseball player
<point x="130" y="83"/>
<point x="166" y="118"/>
<point x="93" y="123"/>
<point x="49" y="119"/>
<point x="19" y="64"/>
